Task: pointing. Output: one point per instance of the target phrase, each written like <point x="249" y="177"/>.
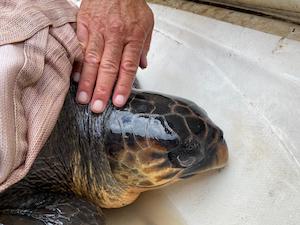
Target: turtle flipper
<point x="18" y="220"/>
<point x="61" y="210"/>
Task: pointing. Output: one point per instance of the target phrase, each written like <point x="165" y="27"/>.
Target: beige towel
<point x="38" y="46"/>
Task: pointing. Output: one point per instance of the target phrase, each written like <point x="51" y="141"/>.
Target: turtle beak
<point x="221" y="157"/>
<point x="218" y="160"/>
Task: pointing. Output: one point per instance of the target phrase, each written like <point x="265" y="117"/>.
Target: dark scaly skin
<point x="94" y="161"/>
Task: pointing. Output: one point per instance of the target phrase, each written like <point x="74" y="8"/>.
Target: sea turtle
<point x="105" y="161"/>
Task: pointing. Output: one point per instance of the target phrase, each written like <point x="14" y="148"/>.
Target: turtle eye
<point x="189" y="148"/>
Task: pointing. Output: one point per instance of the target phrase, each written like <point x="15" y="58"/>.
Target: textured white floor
<point x="249" y="83"/>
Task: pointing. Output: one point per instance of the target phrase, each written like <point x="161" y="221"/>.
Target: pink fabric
<point x="38" y="46"/>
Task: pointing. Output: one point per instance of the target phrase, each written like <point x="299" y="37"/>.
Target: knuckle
<point x="117" y="27"/>
<point x="109" y="66"/>
<point x="96" y="25"/>
<point x="139" y="33"/>
<point x="125" y="87"/>
<point x="101" y="91"/>
<point x="149" y="15"/>
<point x="147" y="22"/>
<point x="129" y="67"/>
<point x="86" y="83"/>
<point x="92" y="57"/>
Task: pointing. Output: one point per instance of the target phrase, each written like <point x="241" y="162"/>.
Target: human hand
<point x="116" y="36"/>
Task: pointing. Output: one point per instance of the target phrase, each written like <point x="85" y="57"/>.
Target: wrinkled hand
<point x="116" y="36"/>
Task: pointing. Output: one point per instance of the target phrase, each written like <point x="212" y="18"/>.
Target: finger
<point x="129" y="64"/>
<point x="143" y="61"/>
<point x="91" y="63"/>
<point x="107" y="74"/>
<point x="77" y="67"/>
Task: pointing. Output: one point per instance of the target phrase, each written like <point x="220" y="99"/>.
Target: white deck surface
<point x="249" y="83"/>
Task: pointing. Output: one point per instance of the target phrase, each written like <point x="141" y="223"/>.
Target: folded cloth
<point x="287" y="9"/>
<point x="38" y="46"/>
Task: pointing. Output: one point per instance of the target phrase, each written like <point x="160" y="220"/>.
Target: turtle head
<point x="157" y="139"/>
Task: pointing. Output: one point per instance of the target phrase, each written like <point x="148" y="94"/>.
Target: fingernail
<point x="83" y="97"/>
<point x="76" y="76"/>
<point x="97" y="107"/>
<point x="119" y="100"/>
